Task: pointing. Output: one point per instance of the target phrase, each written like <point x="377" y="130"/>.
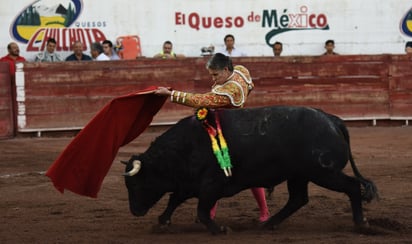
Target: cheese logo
<point x="406" y="23"/>
<point x="56" y="19"/>
<point x="46" y="14"/>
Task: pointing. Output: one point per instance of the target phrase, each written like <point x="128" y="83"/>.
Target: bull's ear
<point x="124" y="162"/>
<point x="137" y="164"/>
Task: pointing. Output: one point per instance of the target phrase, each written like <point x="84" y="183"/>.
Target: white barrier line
<point x="21" y="174"/>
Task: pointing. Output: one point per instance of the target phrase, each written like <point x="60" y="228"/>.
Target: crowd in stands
<point x="107" y="51"/>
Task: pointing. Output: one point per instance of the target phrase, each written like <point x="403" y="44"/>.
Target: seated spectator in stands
<point x="230" y="49"/>
<point x="408" y="48"/>
<point x="109" y="50"/>
<point x="13" y="57"/>
<point x="96" y="50"/>
<point x="277" y="49"/>
<point x="49" y="55"/>
<point x="78" y="54"/>
<point x="330" y="46"/>
<point x="167" y="52"/>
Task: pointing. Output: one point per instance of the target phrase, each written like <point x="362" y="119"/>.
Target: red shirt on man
<point x="13" y="57"/>
<point x="12" y="62"/>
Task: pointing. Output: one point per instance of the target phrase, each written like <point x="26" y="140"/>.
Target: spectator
<point x="108" y="50"/>
<point x="78" y="54"/>
<point x="13" y="57"/>
<point x="49" y="55"/>
<point x="96" y="50"/>
<point x="408" y="48"/>
<point x="230" y="49"/>
<point x="277" y="49"/>
<point x="167" y="52"/>
<point x="330" y="46"/>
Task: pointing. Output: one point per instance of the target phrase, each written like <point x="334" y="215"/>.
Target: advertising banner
<point x="357" y="27"/>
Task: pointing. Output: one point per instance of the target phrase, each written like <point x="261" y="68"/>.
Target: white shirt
<point x="235" y="52"/>
<point x="102" y="57"/>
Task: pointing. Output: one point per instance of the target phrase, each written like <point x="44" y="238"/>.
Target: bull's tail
<point x="369" y="190"/>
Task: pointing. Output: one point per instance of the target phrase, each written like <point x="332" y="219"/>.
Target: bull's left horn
<point x="136" y="167"/>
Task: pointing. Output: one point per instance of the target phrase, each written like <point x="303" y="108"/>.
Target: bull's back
<point x="283" y="137"/>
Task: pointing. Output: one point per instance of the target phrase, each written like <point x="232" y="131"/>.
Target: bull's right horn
<point x="136" y="167"/>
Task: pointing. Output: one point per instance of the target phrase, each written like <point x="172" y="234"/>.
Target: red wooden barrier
<point x="64" y="96"/>
<point x="349" y="86"/>
<point x="400" y="87"/>
<point x="6" y="102"/>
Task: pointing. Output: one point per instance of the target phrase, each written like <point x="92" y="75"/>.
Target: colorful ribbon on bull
<point x="219" y="145"/>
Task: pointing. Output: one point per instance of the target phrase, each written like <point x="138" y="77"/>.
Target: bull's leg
<point x="351" y="186"/>
<point x="203" y="213"/>
<point x="298" y="197"/>
<point x="174" y="201"/>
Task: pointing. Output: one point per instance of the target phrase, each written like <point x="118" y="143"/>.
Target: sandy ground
<point x="32" y="211"/>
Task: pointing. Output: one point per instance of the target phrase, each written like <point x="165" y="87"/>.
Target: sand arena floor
<point x="32" y="211"/>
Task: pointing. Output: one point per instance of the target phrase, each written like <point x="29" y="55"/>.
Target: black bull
<point x="267" y="146"/>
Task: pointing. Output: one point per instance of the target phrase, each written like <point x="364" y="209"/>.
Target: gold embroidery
<point x="232" y="93"/>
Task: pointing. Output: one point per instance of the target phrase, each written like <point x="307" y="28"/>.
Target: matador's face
<point x="219" y="76"/>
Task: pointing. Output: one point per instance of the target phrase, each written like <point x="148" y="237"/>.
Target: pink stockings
<point x="259" y="194"/>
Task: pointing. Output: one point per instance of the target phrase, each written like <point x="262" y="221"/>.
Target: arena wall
<point x="6" y="102"/>
<point x="65" y="96"/>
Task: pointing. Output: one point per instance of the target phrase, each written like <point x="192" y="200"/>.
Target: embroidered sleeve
<point x="196" y="100"/>
<point x="231" y="94"/>
<point x="233" y="90"/>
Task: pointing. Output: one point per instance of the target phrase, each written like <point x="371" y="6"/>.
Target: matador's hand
<point x="163" y="91"/>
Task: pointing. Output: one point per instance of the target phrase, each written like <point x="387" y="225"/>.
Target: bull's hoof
<point x="364" y="228"/>
<point x="363" y="224"/>
<point x="166" y="222"/>
<point x="267" y="226"/>
<point x="222" y="230"/>
<point x="162" y="229"/>
<point x="165" y="229"/>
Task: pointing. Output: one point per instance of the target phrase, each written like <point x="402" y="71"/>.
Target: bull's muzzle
<point x="136" y="167"/>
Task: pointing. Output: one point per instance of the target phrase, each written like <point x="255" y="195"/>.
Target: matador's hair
<point x="219" y="61"/>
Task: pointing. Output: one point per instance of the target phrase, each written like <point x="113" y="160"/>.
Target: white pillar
<point x="20" y="96"/>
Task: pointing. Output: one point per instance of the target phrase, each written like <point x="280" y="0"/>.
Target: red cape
<point x="84" y="163"/>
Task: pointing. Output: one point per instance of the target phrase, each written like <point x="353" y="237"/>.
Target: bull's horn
<point x="123" y="162"/>
<point x="136" y="167"/>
